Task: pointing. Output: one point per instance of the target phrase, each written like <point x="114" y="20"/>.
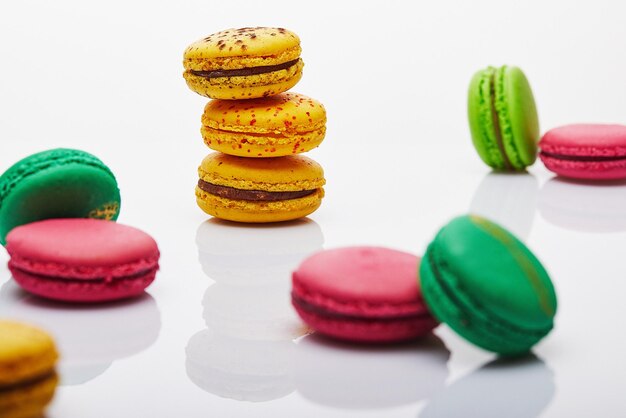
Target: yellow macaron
<point x="243" y="63"/>
<point x="288" y="123"/>
<point x="259" y="189"/>
<point x="27" y="376"/>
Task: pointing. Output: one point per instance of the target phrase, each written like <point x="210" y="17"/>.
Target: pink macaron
<point x="82" y="260"/>
<point x="589" y="151"/>
<point x="362" y="294"/>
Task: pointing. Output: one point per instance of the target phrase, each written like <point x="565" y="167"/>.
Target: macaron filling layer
<point x="32" y="381"/>
<point x="251" y="195"/>
<point x="319" y="310"/>
<point x="104" y="279"/>
<point x="496" y="121"/>
<point x="242" y="72"/>
<point x="583" y="158"/>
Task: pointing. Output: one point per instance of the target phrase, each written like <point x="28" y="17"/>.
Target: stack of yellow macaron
<point x="256" y="127"/>
<point x="27" y="377"/>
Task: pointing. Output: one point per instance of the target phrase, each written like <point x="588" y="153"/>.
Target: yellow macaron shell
<point x="242" y="48"/>
<point x="258" y="212"/>
<point x="26" y="353"/>
<point x="288" y="123"/>
<point x="29" y="400"/>
<point x="281" y="174"/>
<point x="235" y="49"/>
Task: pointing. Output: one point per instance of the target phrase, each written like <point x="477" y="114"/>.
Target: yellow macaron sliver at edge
<point x="29" y="400"/>
<point x="236" y="49"/>
<point x="288" y="123"/>
<point x="281" y="174"/>
<point x="26" y="353"/>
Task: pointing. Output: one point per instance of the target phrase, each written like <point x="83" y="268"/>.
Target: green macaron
<point x="487" y="286"/>
<point x="503" y="118"/>
<point x="58" y="183"/>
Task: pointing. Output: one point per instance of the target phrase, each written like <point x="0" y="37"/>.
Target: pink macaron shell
<point x="83" y="290"/>
<point x="585" y="140"/>
<point x="362" y="294"/>
<point x="361" y="281"/>
<point x="82" y="259"/>
<point x="585" y="151"/>
<point x="586" y="170"/>
<point x="85" y="243"/>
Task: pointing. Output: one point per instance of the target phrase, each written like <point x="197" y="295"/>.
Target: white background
<point x="106" y="77"/>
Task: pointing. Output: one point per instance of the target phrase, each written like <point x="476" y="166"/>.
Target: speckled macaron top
<point x="288" y="123"/>
<point x="258" y="46"/>
<point x="243" y="63"/>
<point x="281" y="114"/>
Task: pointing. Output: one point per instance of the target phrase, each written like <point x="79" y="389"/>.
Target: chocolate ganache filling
<point x="251" y="195"/>
<point x="245" y="71"/>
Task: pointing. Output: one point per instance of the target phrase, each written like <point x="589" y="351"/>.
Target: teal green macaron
<point x="487" y="286"/>
<point x="58" y="183"/>
<point x="503" y="118"/>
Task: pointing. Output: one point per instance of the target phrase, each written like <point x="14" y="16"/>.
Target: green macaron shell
<point x="481" y="120"/>
<point x="522" y="130"/>
<point x="501" y="103"/>
<point x="503" y="118"/>
<point x="58" y="183"/>
<point x="487" y="286"/>
<point x="461" y="314"/>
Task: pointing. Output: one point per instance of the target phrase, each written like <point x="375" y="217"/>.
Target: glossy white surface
<point x="216" y="335"/>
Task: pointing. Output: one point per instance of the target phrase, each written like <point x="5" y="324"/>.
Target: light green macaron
<point x="503" y="118"/>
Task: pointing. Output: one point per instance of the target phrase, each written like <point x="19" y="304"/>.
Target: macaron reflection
<point x="89" y="337"/>
<point x="244" y="370"/>
<point x="347" y="376"/>
<point x="518" y="388"/>
<point x="584" y="206"/>
<point x="509" y="199"/>
<point x="246" y="352"/>
<point x="252" y="266"/>
<point x="255" y="255"/>
<point x="252" y="313"/>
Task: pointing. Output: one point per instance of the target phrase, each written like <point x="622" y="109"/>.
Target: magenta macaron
<point x="585" y="151"/>
<point x="362" y="294"/>
<point x="82" y="260"/>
